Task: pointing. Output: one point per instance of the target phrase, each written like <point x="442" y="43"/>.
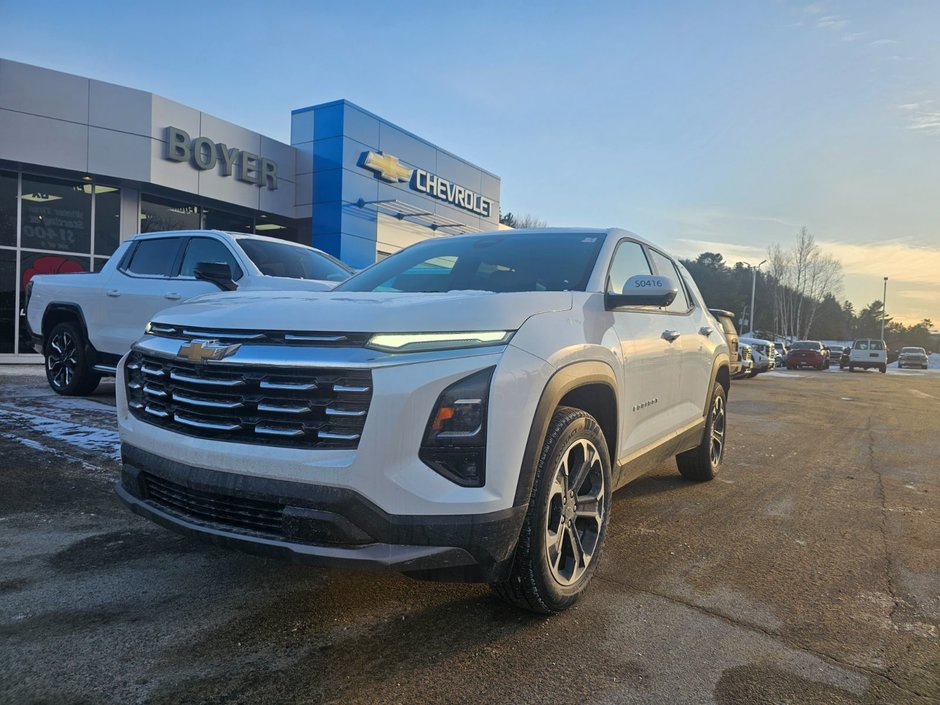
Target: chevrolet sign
<point x="389" y="168"/>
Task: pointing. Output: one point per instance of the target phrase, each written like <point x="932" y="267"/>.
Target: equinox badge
<point x="205" y="350"/>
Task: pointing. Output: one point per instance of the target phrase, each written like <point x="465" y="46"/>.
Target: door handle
<point x="671" y="335"/>
<point x="172" y="296"/>
<point x="113" y="292"/>
<point x="706" y="331"/>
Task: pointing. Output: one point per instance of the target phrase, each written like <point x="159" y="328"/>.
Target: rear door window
<point x="665" y="268"/>
<point x="154" y="257"/>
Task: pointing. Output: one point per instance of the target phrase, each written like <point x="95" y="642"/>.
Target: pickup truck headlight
<point x="454" y="442"/>
<point x="419" y="342"/>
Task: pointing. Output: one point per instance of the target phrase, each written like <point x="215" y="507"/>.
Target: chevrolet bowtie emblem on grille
<point x="386" y="167"/>
<point x="205" y="350"/>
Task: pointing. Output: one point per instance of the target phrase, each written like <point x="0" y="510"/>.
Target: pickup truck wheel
<point x="564" y="530"/>
<point x="703" y="461"/>
<point x="67" y="370"/>
<point x="883" y="368"/>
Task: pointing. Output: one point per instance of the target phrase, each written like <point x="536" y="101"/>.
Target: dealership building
<point x="85" y="164"/>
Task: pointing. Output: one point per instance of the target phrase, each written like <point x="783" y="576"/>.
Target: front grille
<point x="255" y="337"/>
<point x="241" y="513"/>
<point x="299" y="408"/>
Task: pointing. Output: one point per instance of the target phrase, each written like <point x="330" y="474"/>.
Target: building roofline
<point x="343" y="101"/>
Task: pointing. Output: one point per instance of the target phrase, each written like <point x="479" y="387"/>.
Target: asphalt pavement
<point x="807" y="572"/>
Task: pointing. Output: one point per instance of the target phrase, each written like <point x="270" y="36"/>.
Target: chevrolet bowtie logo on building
<point x="205" y="350"/>
<point x="387" y="167"/>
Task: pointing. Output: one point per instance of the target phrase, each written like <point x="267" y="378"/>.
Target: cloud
<point x="923" y="116"/>
<point x="832" y="23"/>
<point x="895" y="259"/>
<point x="883" y="42"/>
<point x="852" y="36"/>
<point x="732" y="252"/>
<point x="816" y="8"/>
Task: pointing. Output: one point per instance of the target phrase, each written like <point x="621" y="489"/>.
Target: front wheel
<point x="564" y="530"/>
<point x="883" y="368"/>
<point x="703" y="462"/>
<point x="67" y="368"/>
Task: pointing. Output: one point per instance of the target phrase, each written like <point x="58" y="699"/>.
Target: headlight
<point x="419" y="342"/>
<point x="454" y="442"/>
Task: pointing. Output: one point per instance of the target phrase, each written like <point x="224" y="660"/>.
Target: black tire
<point x="883" y="368"/>
<point x="851" y="368"/>
<point x="68" y="370"/>
<point x="703" y="462"/>
<point x="534" y="582"/>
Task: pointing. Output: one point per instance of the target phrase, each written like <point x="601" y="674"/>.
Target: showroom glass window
<point x="159" y="214"/>
<point x="56" y="214"/>
<point x="7" y="209"/>
<point x="7" y="260"/>
<point x="107" y="219"/>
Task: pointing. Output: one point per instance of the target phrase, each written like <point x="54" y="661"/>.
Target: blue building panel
<point x="401" y="167"/>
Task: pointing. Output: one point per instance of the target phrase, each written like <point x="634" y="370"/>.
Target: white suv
<point x="461" y="410"/>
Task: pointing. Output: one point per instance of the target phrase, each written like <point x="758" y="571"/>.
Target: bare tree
<point x="801" y="277"/>
<point x="530" y="221"/>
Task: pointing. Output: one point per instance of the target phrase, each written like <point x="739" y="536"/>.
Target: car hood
<point x="362" y="312"/>
<point x="268" y="283"/>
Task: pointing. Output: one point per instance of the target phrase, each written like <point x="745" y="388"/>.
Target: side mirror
<point x="643" y="290"/>
<point x="219" y="273"/>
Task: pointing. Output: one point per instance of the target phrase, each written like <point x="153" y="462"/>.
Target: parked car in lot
<point x="726" y="319"/>
<point x="912" y="357"/>
<point x="461" y="410"/>
<point x="868" y="353"/>
<point x="808" y="353"/>
<point x="745" y="361"/>
<point x="781" y="350"/>
<point x="762" y="353"/>
<point x="83" y="323"/>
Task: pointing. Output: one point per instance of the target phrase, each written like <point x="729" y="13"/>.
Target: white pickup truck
<point x="83" y="323"/>
<point x="461" y="410"/>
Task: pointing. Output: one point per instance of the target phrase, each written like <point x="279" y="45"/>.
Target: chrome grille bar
<point x="212" y="404"/>
<point x="208" y="425"/>
<point x="180" y="377"/>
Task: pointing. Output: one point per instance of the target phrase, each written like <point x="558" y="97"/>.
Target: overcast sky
<point x="720" y="126"/>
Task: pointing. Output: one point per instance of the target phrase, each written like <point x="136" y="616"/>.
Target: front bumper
<point x="315" y="524"/>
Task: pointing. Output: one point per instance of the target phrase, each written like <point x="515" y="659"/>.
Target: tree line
<point x="798" y="297"/>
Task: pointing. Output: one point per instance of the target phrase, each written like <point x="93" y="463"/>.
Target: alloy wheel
<point x="717" y="445"/>
<point x="61" y="360"/>
<point x="576" y="512"/>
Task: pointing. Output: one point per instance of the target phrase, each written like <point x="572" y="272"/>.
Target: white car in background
<point x="763" y="355"/>
<point x="83" y="323"/>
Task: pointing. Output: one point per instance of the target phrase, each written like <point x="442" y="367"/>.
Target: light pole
<point x="884" y="304"/>
<point x="753" y="290"/>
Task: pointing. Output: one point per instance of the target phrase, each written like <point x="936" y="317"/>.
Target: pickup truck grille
<point x="319" y="339"/>
<point x="298" y="408"/>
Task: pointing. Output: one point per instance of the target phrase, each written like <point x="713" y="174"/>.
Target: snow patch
<point x="95" y="440"/>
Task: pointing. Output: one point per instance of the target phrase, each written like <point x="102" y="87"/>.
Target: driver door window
<point x="205" y="249"/>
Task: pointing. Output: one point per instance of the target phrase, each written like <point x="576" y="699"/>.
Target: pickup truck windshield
<point x="805" y="345"/>
<point x="497" y="263"/>
<point x="275" y="259"/>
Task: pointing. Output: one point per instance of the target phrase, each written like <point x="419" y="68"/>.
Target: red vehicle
<point x="808" y="353"/>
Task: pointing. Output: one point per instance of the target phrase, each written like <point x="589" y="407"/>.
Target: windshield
<point x="496" y="263"/>
<point x="805" y="345"/>
<point x="868" y="345"/>
<point x="913" y="351"/>
<point x="277" y="259"/>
